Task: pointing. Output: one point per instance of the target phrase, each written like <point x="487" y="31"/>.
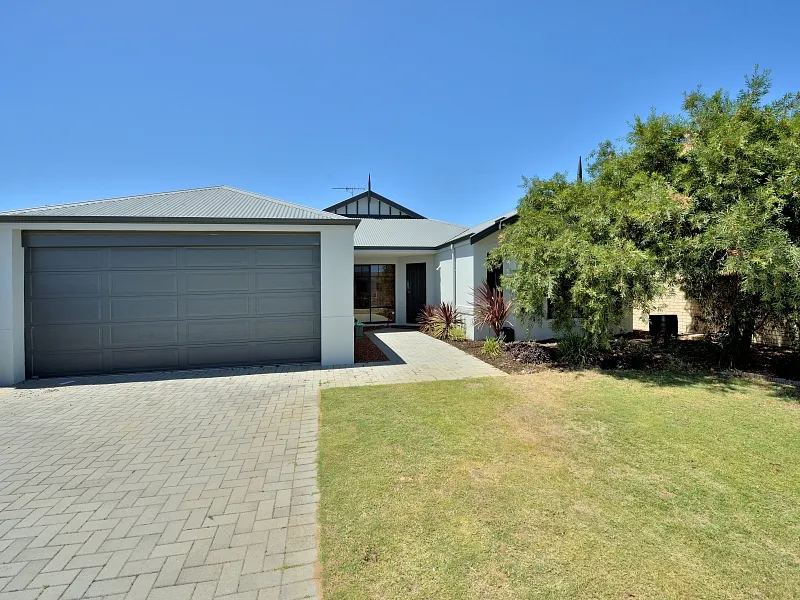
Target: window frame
<point x="374" y="271"/>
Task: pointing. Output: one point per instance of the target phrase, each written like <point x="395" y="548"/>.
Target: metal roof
<point x="404" y="233"/>
<point x="482" y="227"/>
<point x="211" y="204"/>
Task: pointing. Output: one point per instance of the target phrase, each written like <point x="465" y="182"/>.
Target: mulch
<point x="366" y="351"/>
<point x="697" y="355"/>
<point x="504" y="361"/>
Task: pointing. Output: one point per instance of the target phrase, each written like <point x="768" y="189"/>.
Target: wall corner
<point x="12" y="307"/>
<point x="336" y="301"/>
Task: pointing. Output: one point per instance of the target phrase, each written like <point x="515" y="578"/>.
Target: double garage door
<point x="117" y="302"/>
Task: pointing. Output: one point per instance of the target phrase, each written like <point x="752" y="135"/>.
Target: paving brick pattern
<point x="191" y="485"/>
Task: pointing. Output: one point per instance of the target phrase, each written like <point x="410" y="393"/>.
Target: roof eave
<point x="474" y="238"/>
<point x="430" y="248"/>
<point x="34" y="219"/>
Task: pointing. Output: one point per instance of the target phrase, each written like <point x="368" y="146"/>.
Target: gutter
<point x="33" y="220"/>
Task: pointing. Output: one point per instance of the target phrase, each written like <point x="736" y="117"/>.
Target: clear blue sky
<point x="446" y="104"/>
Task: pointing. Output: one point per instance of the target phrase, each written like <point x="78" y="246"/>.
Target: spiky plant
<point x="490" y="308"/>
<point x="446" y="317"/>
<point x="425" y="318"/>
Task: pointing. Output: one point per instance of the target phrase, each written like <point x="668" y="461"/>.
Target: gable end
<point x="373" y="206"/>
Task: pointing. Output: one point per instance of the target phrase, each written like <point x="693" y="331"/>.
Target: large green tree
<point x="708" y="199"/>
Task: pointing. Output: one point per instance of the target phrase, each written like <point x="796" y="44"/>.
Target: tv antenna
<point x="350" y="189"/>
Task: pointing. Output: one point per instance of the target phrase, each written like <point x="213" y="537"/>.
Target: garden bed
<point x="366" y="351"/>
<point x="505" y="362"/>
<point x="636" y="351"/>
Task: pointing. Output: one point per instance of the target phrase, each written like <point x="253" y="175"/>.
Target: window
<point x="493" y="276"/>
<point x="374" y="293"/>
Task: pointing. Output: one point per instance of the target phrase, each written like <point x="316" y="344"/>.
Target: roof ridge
<point x="271" y="199"/>
<point x="114" y="199"/>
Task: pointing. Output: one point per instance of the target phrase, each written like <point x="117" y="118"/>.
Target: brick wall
<point x="674" y="302"/>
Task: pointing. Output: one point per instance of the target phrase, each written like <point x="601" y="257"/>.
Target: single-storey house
<point x="221" y="277"/>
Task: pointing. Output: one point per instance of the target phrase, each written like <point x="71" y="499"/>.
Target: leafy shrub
<point x="529" y="353"/>
<point x="425" y="318"/>
<point x="492" y="347"/>
<point x="446" y="317"/>
<point x="578" y="349"/>
<point x="457" y="334"/>
<point x="490" y="308"/>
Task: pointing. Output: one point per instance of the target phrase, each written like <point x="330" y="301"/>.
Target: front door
<point x="415" y="290"/>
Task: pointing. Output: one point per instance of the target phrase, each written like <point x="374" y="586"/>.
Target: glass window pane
<point x="383" y="287"/>
<point x="374" y="289"/>
<point x="361" y="285"/>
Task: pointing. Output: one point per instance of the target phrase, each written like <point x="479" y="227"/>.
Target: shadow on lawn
<point x="715" y="383"/>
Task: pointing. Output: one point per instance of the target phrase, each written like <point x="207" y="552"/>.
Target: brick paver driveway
<point x="177" y="486"/>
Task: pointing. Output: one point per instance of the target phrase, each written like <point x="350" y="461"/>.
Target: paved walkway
<point x="189" y="485"/>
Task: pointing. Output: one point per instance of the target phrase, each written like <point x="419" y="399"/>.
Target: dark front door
<point x="415" y="290"/>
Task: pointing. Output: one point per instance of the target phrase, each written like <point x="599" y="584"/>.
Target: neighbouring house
<point x="221" y="277"/>
<point x="690" y="319"/>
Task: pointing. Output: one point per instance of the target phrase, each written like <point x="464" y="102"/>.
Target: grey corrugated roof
<point x="483" y="226"/>
<point x="221" y="203"/>
<point x="404" y="233"/>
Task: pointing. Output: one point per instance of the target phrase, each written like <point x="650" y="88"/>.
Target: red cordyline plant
<point x="425" y="318"/>
<point x="439" y="321"/>
<point x="490" y="308"/>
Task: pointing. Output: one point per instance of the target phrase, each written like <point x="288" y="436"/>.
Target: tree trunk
<point x="740" y="340"/>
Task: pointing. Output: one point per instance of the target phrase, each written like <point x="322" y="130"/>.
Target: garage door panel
<point x="55" y="259"/>
<point x="143" y="309"/>
<point x="287" y="257"/>
<point x="198" y="332"/>
<point x="216" y="257"/>
<point x="142" y="360"/>
<point x="288" y="304"/>
<point x="294" y="351"/>
<point x="143" y="258"/>
<point x="284" y="329"/>
<point x="222" y="355"/>
<point x="198" y="307"/>
<point x="170" y="304"/>
<point x="287" y="280"/>
<point x="65" y="311"/>
<point x="66" y="337"/>
<point x="128" y="283"/>
<point x="55" y="285"/>
<point x="67" y="363"/>
<point x="144" y="334"/>
<point x="220" y="282"/>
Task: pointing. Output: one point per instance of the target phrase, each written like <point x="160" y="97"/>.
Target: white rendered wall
<point x="537" y="330"/>
<point x="459" y="294"/>
<point x="336" y="272"/>
<point x="12" y="309"/>
<point x="444" y="275"/>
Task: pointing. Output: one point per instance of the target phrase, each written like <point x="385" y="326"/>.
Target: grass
<point x="561" y="485"/>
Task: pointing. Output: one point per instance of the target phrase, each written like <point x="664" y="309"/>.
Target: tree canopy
<point x="708" y="199"/>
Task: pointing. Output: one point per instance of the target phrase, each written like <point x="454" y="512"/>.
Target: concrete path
<point x="189" y="485"/>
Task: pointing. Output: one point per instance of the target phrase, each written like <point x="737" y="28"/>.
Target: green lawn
<point x="561" y="485"/>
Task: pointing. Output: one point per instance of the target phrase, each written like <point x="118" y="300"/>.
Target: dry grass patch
<point x="561" y="485"/>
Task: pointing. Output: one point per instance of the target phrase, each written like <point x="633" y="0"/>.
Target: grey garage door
<point x="110" y="303"/>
